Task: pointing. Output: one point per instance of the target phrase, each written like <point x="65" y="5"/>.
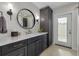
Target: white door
<point x="64" y="30"/>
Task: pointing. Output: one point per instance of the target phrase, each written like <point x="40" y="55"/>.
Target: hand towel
<point x="3" y="28"/>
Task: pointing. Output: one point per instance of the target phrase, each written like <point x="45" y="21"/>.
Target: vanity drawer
<point x="32" y="40"/>
<point x="18" y="52"/>
<point x="11" y="47"/>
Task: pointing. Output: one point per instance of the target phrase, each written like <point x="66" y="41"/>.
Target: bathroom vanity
<point x="23" y="45"/>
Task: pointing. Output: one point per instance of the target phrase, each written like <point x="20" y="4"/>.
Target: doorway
<point x="64" y="30"/>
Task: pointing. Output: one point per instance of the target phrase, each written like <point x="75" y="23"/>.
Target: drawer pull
<point x="18" y="45"/>
<point x="21" y="54"/>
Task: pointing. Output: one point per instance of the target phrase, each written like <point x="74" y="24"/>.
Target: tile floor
<point x="55" y="50"/>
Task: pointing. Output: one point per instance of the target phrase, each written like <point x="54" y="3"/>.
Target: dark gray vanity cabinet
<point x="28" y="47"/>
<point x="36" y="45"/>
<point x="46" y="23"/>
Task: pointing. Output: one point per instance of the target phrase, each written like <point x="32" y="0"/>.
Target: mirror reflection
<point x="26" y="18"/>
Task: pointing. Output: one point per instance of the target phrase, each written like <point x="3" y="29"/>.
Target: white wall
<point x="13" y="25"/>
<point x="64" y="10"/>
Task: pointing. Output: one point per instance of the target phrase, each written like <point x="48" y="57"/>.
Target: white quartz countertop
<point x="8" y="39"/>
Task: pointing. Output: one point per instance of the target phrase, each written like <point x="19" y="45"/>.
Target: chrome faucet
<point x="29" y="31"/>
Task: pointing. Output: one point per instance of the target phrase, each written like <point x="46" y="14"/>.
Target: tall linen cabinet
<point x="46" y="23"/>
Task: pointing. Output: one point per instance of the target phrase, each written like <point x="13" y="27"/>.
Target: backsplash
<point x="12" y="25"/>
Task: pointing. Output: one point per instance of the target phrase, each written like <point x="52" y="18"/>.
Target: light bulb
<point x="10" y="6"/>
<point x="37" y="17"/>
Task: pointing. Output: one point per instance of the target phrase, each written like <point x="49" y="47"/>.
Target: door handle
<point x="70" y="32"/>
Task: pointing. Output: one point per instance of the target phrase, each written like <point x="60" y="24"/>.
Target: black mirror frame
<point x="32" y="15"/>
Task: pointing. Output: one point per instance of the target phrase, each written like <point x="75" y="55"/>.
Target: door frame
<point x="67" y="26"/>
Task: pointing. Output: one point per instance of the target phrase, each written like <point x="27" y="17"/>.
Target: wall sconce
<point x="10" y="13"/>
<point x="37" y="18"/>
<point x="10" y="7"/>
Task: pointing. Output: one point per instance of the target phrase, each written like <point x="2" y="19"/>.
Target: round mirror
<point x="26" y="19"/>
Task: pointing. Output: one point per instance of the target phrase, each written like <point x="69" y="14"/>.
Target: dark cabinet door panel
<point x="0" y="51"/>
<point x="19" y="52"/>
<point x="26" y="51"/>
<point x="31" y="49"/>
<point x="38" y="47"/>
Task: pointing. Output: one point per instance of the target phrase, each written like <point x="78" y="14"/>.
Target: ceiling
<point x="51" y="4"/>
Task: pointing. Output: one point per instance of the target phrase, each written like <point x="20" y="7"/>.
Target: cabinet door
<point x="31" y="49"/>
<point x="44" y="22"/>
<point x="19" y="52"/>
<point x="34" y="49"/>
<point x="50" y="26"/>
<point x="38" y="48"/>
<point x="26" y="51"/>
<point x="0" y="51"/>
<point x="44" y="42"/>
<point x="40" y="45"/>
